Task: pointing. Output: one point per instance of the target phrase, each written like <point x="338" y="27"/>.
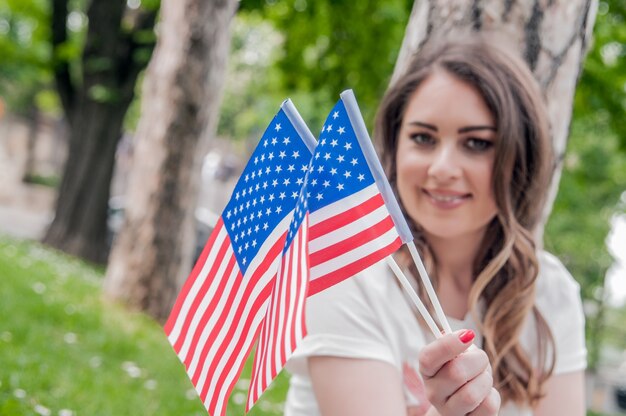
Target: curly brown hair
<point x="506" y="267"/>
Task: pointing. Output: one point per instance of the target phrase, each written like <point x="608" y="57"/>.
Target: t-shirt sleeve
<point x="558" y="299"/>
<point x="343" y="321"/>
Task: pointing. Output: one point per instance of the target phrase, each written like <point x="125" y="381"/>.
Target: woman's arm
<point x="349" y="386"/>
<point x="565" y="395"/>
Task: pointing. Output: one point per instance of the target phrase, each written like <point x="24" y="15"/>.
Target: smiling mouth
<point x="447" y="198"/>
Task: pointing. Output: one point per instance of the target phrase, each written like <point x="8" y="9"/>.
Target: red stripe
<point x="346" y="217"/>
<point x="231" y="363"/>
<point x="169" y="325"/>
<point x="338" y="275"/>
<point x="350" y="243"/>
<point x="211" y="309"/>
<point x="220" y="259"/>
<point x="250" y="285"/>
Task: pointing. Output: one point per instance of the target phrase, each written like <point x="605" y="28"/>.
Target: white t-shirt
<point x="370" y="317"/>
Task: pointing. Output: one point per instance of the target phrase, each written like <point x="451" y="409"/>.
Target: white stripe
<point x="338" y="206"/>
<point x="269" y="273"/>
<point x="356" y="226"/>
<point x="184" y="310"/>
<point x="303" y="290"/>
<point x="207" y="297"/>
<point x="353" y="255"/>
<point x="231" y="372"/>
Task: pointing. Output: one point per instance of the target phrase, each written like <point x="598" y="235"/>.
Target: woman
<point x="465" y="142"/>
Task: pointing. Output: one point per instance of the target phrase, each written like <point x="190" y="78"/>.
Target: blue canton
<point x="268" y="189"/>
<point x="338" y="167"/>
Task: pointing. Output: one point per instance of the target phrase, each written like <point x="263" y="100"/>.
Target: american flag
<point x="219" y="311"/>
<point x="284" y="326"/>
<point x="355" y="221"/>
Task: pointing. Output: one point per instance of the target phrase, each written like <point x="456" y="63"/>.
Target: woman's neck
<point x="455" y="272"/>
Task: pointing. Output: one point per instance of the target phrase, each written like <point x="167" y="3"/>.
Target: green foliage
<point x="330" y="46"/>
<point x="594" y="176"/>
<point x="63" y="348"/>
<point x="603" y="84"/>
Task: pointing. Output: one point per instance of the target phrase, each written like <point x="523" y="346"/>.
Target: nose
<point x="445" y="164"/>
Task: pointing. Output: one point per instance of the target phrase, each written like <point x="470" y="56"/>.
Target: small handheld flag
<point x="219" y="311"/>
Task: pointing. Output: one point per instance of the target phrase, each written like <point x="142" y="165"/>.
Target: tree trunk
<point x="95" y="108"/>
<point x="553" y="36"/>
<point x="152" y="255"/>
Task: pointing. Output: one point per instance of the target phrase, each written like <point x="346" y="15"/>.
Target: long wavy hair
<point x="506" y="266"/>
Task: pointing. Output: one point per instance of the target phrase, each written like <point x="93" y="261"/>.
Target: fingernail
<point x="466" y="336"/>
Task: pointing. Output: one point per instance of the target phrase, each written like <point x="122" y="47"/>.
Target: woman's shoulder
<point x="555" y="285"/>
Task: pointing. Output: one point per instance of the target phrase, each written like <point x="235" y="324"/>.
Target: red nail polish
<point x="466" y="336"/>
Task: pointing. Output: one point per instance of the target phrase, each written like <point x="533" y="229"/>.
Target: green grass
<point x="65" y="351"/>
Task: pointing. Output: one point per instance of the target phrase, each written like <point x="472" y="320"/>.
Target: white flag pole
<point x="416" y="300"/>
<point x="429" y="288"/>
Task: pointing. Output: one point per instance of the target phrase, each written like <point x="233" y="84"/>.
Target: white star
<point x="228" y="214"/>
<point x="329" y="128"/>
<point x="348" y="146"/>
<point x="286" y="140"/>
<point x="361" y="177"/>
<point x="271" y="156"/>
<point x="265" y="185"/>
<point x="275" y="183"/>
<point x="340" y="187"/>
<point x="268" y="212"/>
<point x="274" y="140"/>
<point x="286" y="181"/>
<point x="291" y="168"/>
<point x="265" y="226"/>
<point x="340" y="158"/>
<point x="278" y="169"/>
<point x="326" y="184"/>
<point x="237" y="197"/>
<point x="254" y="241"/>
<point x="333" y="171"/>
<point x="354" y="162"/>
<point x="277" y="127"/>
<point x="294" y="195"/>
<point x="327" y="156"/>
<point x="341" y="130"/>
<point x="304" y="168"/>
<point x="322" y="142"/>
<point x="314" y="182"/>
<point x="271" y="197"/>
<point x="299" y="181"/>
<point x="336" y="114"/>
<point x="296" y="154"/>
<point x="319" y="197"/>
<point x="333" y="143"/>
<point x="347" y="174"/>
<point x="279" y="209"/>
<point x="282" y="155"/>
<point x="265" y="143"/>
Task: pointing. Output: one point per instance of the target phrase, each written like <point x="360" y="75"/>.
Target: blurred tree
<point x="95" y="93"/>
<point x="181" y="97"/>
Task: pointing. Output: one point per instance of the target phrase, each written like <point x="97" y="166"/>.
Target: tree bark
<point x="152" y="255"/>
<point x="553" y="37"/>
<point x="95" y="107"/>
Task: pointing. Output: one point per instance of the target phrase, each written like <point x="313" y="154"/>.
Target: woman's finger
<point x="490" y="406"/>
<point x="434" y="355"/>
<point x="455" y="373"/>
<point x="471" y="395"/>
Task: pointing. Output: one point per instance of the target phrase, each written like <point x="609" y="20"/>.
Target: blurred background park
<point x="124" y="126"/>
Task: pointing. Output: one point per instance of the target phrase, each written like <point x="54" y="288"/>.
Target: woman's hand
<point x="458" y="378"/>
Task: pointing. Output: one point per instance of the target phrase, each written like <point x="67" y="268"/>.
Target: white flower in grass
<point x="19" y="393"/>
<point x="239" y="398"/>
<point x="39" y="288"/>
<point x="191" y="394"/>
<point x="70" y="309"/>
<point x="131" y="369"/>
<point x="6" y="336"/>
<point x="70" y="338"/>
<point x="66" y="412"/>
<point x="150" y="384"/>
<point x="41" y="410"/>
<point x="243" y="384"/>
<point x="95" y="361"/>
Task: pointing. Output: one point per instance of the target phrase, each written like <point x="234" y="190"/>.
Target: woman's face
<point x="445" y="158"/>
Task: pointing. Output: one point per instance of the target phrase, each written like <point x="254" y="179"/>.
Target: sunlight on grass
<point x="66" y="352"/>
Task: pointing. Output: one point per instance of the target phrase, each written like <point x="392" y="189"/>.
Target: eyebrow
<point x="461" y="130"/>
